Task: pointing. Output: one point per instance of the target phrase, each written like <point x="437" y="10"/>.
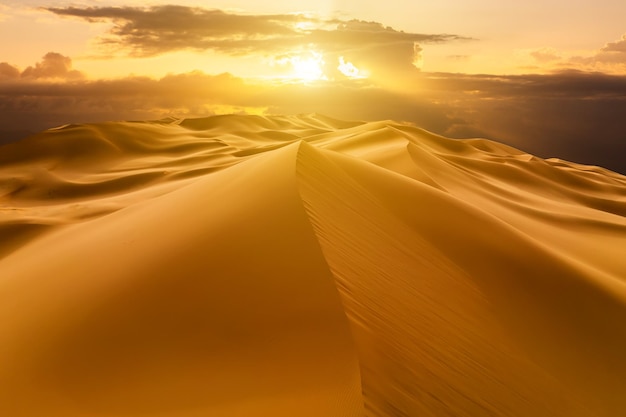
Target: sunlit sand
<point x="305" y="266"/>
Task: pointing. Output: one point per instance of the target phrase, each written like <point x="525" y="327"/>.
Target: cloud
<point x="545" y="55"/>
<point x="570" y="84"/>
<point x="150" y="31"/>
<point x="612" y="53"/>
<point x="8" y="71"/>
<point x="353" y="33"/>
<point x="53" y="65"/>
<point x="34" y="104"/>
<point x="611" y="58"/>
<point x="160" y="29"/>
<point x="381" y="50"/>
<point x="617" y="46"/>
<point x="572" y="115"/>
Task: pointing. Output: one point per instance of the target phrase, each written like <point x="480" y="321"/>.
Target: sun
<point x="308" y="66"/>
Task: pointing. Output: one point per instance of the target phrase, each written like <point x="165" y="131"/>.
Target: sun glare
<point x="308" y="67"/>
<point x="349" y="70"/>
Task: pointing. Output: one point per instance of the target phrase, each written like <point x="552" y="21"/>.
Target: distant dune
<point x="305" y="266"/>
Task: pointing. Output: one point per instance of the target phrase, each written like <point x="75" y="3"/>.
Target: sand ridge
<point x="301" y="265"/>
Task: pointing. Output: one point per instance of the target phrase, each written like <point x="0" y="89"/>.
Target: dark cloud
<point x="37" y="105"/>
<point x="170" y="18"/>
<point x="571" y="115"/>
<point x="385" y="53"/>
<point x="570" y="84"/>
<point x="355" y="33"/>
<point x="161" y="29"/>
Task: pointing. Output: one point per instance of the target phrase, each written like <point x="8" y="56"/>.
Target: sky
<point x="548" y="77"/>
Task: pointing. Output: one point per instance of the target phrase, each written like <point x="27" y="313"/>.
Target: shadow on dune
<point x="301" y="265"/>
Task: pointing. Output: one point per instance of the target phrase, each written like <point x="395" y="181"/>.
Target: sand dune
<point x="305" y="266"/>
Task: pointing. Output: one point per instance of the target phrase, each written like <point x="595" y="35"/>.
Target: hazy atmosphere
<point x="545" y="78"/>
<point x="312" y="208"/>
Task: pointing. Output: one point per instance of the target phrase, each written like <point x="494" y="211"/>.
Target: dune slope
<point x="280" y="266"/>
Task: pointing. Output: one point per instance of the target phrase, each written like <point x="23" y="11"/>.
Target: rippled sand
<point x="305" y="266"/>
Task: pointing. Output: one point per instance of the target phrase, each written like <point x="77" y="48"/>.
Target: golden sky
<point x="488" y="36"/>
<point x="517" y="72"/>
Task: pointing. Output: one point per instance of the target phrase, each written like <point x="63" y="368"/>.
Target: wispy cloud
<point x="545" y="55"/>
<point x="617" y="46"/>
<point x="610" y="58"/>
<point x="161" y="29"/>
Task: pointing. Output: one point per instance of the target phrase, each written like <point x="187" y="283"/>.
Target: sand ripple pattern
<point x="305" y="266"/>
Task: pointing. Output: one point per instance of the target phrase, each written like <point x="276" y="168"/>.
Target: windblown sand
<point x="304" y="266"/>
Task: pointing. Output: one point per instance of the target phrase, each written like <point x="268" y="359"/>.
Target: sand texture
<point x="305" y="266"/>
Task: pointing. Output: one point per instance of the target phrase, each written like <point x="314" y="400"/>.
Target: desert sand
<point x="305" y="266"/>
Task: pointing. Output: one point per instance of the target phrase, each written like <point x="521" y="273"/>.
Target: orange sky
<point x="547" y="77"/>
<point x="499" y="38"/>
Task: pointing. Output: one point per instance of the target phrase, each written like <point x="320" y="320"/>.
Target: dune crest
<point x="302" y="265"/>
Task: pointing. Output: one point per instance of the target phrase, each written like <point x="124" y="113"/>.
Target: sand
<point x="305" y="266"/>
